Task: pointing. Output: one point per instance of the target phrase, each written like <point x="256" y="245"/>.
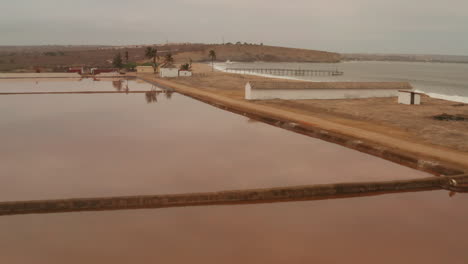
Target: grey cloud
<point x="346" y="26"/>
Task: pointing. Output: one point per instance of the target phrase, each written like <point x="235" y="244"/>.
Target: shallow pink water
<point x="63" y="85"/>
<point x="63" y="146"/>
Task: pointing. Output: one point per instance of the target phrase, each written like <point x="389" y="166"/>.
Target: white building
<point x="183" y="73"/>
<point x="409" y="97"/>
<point x="288" y="90"/>
<point x="168" y="71"/>
<point x="145" y="69"/>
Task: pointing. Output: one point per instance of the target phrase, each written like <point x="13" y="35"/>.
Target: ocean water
<point x="447" y="81"/>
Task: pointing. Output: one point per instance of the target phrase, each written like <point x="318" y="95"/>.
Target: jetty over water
<point x="286" y="72"/>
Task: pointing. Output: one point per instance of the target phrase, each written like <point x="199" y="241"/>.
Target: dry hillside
<point x="250" y="52"/>
<point x="58" y="58"/>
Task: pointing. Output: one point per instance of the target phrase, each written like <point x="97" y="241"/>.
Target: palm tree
<point x="117" y="61"/>
<point x="152" y="53"/>
<point x="168" y="59"/>
<point x="212" y="55"/>
<point x="185" y="67"/>
<point x="126" y="56"/>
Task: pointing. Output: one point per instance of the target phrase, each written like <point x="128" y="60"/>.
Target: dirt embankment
<point x="252" y="196"/>
<point x="383" y="115"/>
<point x="404" y="134"/>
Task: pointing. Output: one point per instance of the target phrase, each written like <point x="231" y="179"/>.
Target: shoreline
<point x="448" y="161"/>
<point x="453" y="98"/>
<point x="435" y="160"/>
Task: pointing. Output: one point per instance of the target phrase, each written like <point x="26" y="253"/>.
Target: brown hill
<point x="249" y="53"/>
<point x="58" y="58"/>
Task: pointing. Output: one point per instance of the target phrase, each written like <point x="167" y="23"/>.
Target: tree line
<point x="151" y="53"/>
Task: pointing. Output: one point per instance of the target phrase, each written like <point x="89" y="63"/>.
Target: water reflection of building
<point x="168" y="94"/>
<point x="120" y="84"/>
<point x="117" y="85"/>
<point x="151" y="97"/>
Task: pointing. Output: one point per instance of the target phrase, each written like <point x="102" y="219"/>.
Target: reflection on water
<point x="66" y="146"/>
<point x="69" y="138"/>
<point x="420" y="227"/>
<point x="121" y="84"/>
<point x="151" y="97"/>
<point x="87" y="84"/>
<point x="168" y="94"/>
<point x="117" y="85"/>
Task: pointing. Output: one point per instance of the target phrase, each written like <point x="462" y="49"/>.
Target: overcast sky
<point x="390" y="26"/>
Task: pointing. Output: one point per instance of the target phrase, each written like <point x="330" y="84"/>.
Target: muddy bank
<point x="403" y="151"/>
<point x="271" y="195"/>
<point x="380" y="115"/>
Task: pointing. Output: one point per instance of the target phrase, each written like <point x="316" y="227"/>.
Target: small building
<point x="96" y="71"/>
<point x="168" y="71"/>
<point x="184" y="73"/>
<point x="409" y="97"/>
<point x="145" y="69"/>
<point x="288" y="90"/>
<point x="78" y="70"/>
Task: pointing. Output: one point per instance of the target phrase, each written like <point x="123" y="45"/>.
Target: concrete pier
<point x="286" y="72"/>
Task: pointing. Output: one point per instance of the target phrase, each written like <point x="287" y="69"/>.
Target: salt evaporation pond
<point x="65" y="146"/>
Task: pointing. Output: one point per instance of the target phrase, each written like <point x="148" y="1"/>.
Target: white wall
<point x="417" y="99"/>
<point x="292" y="94"/>
<point x="145" y="69"/>
<point x="185" y="73"/>
<point x="405" y="98"/>
<point x="169" y="72"/>
<point x="248" y="92"/>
